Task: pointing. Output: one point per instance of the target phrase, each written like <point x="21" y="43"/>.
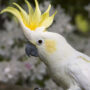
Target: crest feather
<point x="33" y="19"/>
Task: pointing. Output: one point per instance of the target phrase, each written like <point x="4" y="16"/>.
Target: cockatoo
<point x="69" y="68"/>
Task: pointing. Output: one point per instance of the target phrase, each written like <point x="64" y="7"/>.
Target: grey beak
<point x="31" y="50"/>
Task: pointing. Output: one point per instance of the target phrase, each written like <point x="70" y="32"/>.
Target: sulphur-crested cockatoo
<point x="69" y="68"/>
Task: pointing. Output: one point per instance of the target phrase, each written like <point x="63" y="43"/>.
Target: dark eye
<point x="40" y="42"/>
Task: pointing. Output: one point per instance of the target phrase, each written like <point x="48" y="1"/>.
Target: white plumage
<point x="69" y="68"/>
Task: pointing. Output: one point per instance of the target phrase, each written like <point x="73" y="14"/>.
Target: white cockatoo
<point x="69" y="68"/>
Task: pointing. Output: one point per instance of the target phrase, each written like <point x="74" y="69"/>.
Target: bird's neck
<point x="66" y="52"/>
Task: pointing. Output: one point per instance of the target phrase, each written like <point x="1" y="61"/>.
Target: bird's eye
<point x="40" y="42"/>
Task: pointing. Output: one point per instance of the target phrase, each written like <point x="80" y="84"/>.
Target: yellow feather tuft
<point x="50" y="46"/>
<point x="33" y="19"/>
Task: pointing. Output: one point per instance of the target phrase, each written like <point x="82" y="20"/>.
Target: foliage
<point x="81" y="23"/>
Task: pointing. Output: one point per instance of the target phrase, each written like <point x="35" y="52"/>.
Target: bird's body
<point x="69" y="68"/>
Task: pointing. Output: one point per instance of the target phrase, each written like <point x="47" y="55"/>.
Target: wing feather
<point x="79" y="70"/>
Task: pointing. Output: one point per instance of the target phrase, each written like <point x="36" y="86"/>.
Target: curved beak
<point x="31" y="50"/>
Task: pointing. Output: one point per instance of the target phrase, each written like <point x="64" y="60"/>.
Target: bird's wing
<point x="79" y="70"/>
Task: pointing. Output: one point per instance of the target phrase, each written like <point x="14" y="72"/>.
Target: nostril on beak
<point x="31" y="50"/>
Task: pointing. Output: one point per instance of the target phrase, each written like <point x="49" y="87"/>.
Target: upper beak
<point x="31" y="50"/>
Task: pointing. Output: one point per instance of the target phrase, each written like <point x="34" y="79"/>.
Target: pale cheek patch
<point x="50" y="46"/>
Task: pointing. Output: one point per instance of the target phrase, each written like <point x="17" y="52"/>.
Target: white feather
<point x="79" y="70"/>
<point x="69" y="68"/>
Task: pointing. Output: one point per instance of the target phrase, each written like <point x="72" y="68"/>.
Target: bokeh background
<point x="72" y="21"/>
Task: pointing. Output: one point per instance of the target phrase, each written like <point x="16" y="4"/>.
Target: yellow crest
<point x="33" y="19"/>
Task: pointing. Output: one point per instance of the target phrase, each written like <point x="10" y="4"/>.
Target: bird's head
<point x="48" y="44"/>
